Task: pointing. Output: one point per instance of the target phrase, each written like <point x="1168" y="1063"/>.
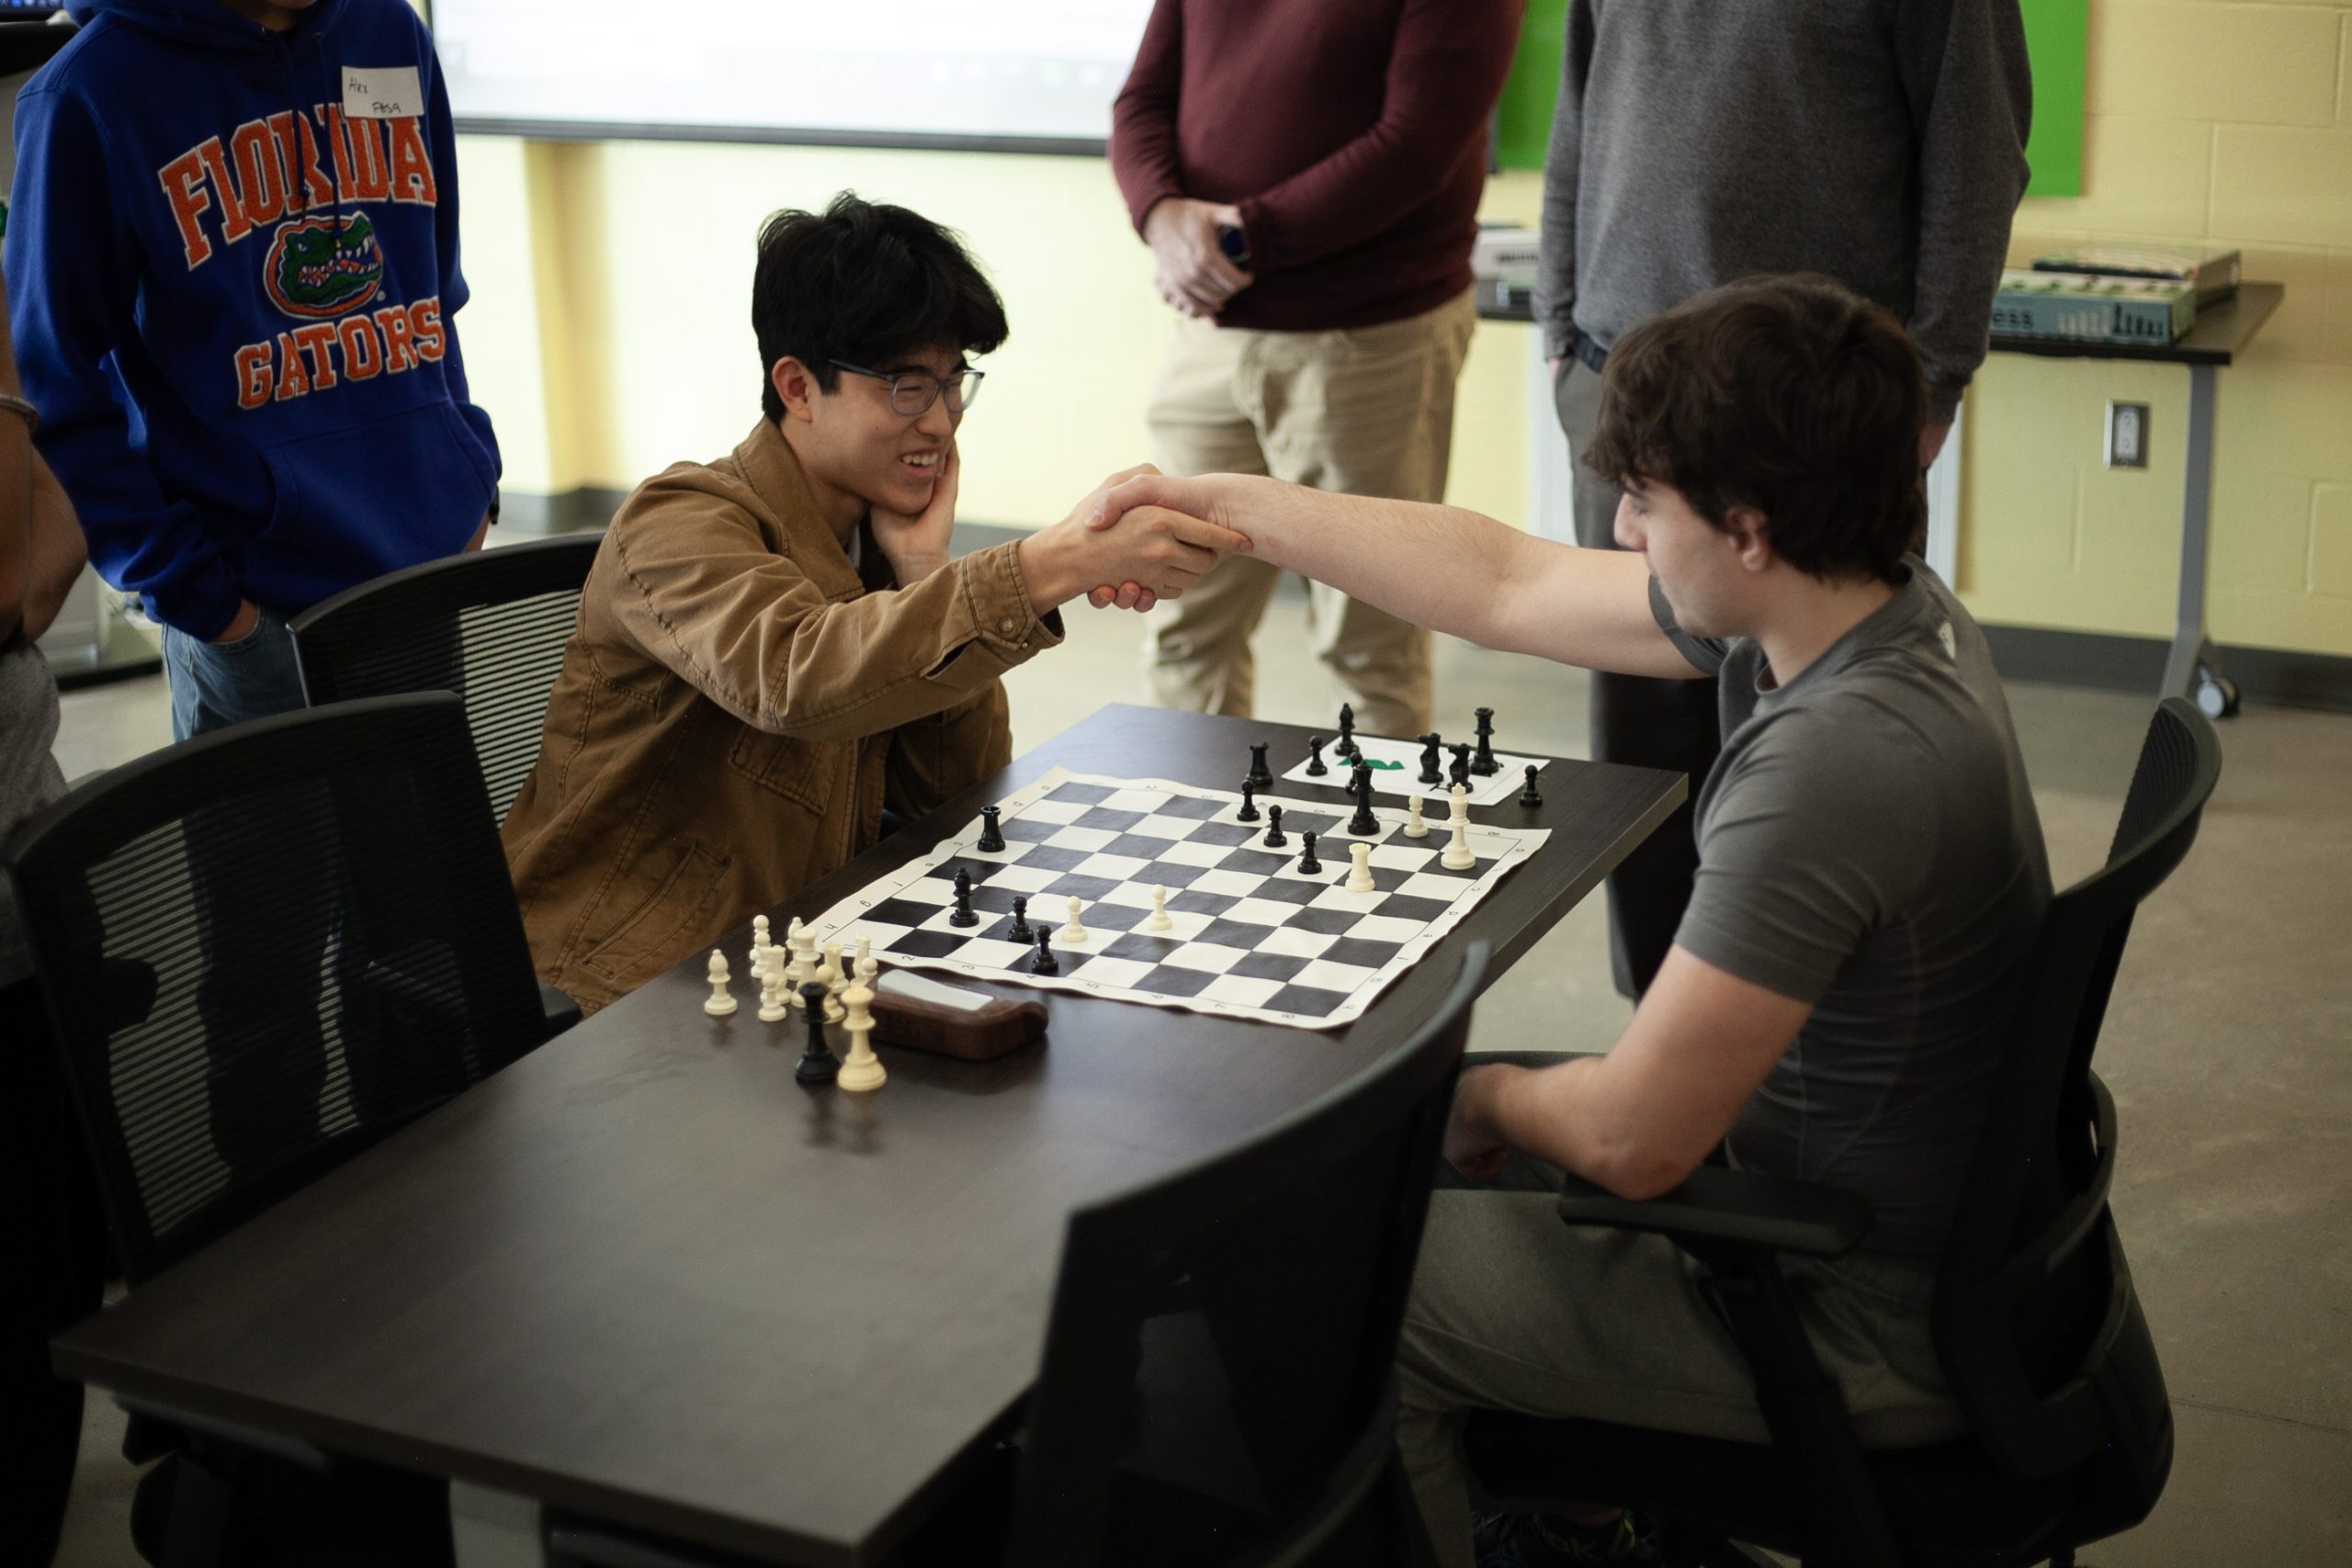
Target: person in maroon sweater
<point x="1306" y="174"/>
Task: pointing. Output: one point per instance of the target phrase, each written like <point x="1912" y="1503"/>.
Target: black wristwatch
<point x="1233" y="244"/>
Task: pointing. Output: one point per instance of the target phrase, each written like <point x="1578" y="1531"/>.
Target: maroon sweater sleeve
<point x="1443" y="77"/>
<point x="1143" y="157"/>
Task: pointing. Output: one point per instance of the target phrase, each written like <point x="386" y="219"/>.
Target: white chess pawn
<point x="863" y="1069"/>
<point x="772" y="1007"/>
<point x="867" y="969"/>
<point x="1074" y="933"/>
<point x="1457" y="856"/>
<point x="801" y="966"/>
<point x="759" y="941"/>
<point x="720" y="1003"/>
<point x="1415" y="828"/>
<point x="1159" y="920"/>
<point x="865" y="951"/>
<point x="1360" y="870"/>
<point x="828" y="978"/>
<point x="835" y="986"/>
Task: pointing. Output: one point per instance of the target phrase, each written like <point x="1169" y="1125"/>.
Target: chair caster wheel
<point x="2216" y="696"/>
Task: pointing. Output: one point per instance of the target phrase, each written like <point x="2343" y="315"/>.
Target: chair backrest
<point x="2035" y="1319"/>
<point x="264" y="949"/>
<point x="489" y="625"/>
<point x="1215" y="1383"/>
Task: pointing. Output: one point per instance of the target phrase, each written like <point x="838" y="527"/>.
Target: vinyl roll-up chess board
<point x="1251" y="936"/>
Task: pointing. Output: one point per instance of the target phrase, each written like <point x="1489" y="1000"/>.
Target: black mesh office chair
<point x="489" y="625"/>
<point x="1215" y="1387"/>
<point x="2035" y="1321"/>
<point x="261" y="951"/>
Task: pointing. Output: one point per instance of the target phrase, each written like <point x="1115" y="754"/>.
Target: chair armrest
<point x="561" y="1011"/>
<point x="1716" y="1208"/>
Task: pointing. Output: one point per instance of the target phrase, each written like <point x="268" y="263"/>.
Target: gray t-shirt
<point x="1868" y="844"/>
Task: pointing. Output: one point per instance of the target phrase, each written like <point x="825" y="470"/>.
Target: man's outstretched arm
<point x="1442" y="567"/>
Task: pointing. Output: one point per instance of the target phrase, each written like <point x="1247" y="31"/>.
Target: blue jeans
<point x="215" y="684"/>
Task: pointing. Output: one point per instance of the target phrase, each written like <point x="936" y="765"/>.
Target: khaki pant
<point x="1369" y="411"/>
<point x="1511" y="1310"/>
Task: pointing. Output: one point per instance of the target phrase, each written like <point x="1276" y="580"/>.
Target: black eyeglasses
<point x="913" y="391"/>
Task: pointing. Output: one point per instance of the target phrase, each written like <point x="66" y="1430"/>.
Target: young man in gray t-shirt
<point x="1871" y="876"/>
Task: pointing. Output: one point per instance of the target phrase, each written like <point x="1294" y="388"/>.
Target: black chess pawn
<point x="1484" y="763"/>
<point x="992" y="834"/>
<point x="1429" y="773"/>
<point x="1020" y="931"/>
<point x="1045" y="962"/>
<point x="1347" y="743"/>
<point x="817" y="1063"/>
<point x="1248" y="812"/>
<point x="1275" y="836"/>
<point x="1529" y="797"/>
<point x="1314" y="768"/>
<point x="1363" y="821"/>
<point x="962" y="914"/>
<point x="1308" y="864"/>
<point x="1459" y="772"/>
<point x="1260" y="774"/>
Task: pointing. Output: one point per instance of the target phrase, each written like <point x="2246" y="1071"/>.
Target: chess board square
<point x="1104" y="970"/>
<point x="1237" y="990"/>
<point x="1269" y="966"/>
<point x="1049" y="858"/>
<point x="1438" y="883"/>
<point x="1338" y="899"/>
<point x="1406" y="856"/>
<point x="1087" y="838"/>
<point x="1193" y="807"/>
<point x="1193" y="901"/>
<point x="1328" y="922"/>
<point x="1232" y="934"/>
<point x="1014" y="849"/>
<point x="1113" y="867"/>
<point x="1326" y="976"/>
<point x="1135" y="845"/>
<point x="1029" y="831"/>
<point x="1144" y="946"/>
<point x="1190" y="853"/>
<point x="1405" y="907"/>
<point x="994" y="897"/>
<point x="944" y="920"/>
<point x="1291" y="941"/>
<point x="1077" y="794"/>
<point x="1236" y="884"/>
<point x="1072" y="886"/>
<point x="1061" y="813"/>
<point x="1143" y="800"/>
<point x="1310" y="819"/>
<point x="1166" y="980"/>
<point x="1209" y="957"/>
<point x="981" y="867"/>
<point x="1257" y="861"/>
<point x="880" y="936"/>
<point x="1110" y="821"/>
<point x="999" y="928"/>
<point x="1030" y="879"/>
<point x="1262" y="911"/>
<point x="1305" y="1001"/>
<point x="1385" y="927"/>
<point x="1104" y="915"/>
<point x="1133" y="895"/>
<point x="1163" y="828"/>
<point x="1293" y="889"/>
<point x="902" y="911"/>
<point x="1365" y="956"/>
<point x="930" y="943"/>
<point x="1226" y="834"/>
<point x="991" y="953"/>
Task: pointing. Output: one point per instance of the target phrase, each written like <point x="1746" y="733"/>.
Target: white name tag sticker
<point x="390" y="92"/>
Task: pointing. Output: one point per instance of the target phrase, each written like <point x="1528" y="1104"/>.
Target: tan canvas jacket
<point x="736" y="706"/>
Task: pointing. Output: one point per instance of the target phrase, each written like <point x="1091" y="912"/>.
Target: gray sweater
<point x="1882" y="141"/>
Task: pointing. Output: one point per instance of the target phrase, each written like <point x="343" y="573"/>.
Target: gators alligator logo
<point x="319" y="268"/>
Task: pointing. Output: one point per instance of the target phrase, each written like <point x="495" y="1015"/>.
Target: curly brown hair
<point x="1789" y="393"/>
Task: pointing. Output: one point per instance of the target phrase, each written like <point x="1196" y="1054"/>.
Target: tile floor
<point x="2229" y="1048"/>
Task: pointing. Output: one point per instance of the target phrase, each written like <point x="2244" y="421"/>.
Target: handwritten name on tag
<point x="390" y="91"/>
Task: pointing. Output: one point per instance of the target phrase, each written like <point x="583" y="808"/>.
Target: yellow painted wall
<point x="610" y="334"/>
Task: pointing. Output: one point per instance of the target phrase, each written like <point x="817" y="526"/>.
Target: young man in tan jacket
<point x="773" y="647"/>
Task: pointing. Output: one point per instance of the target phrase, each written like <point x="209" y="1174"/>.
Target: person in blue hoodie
<point x="233" y="247"/>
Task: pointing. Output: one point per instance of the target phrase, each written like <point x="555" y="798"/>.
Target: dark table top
<point x="642" y="1274"/>
<point x="2222" y="330"/>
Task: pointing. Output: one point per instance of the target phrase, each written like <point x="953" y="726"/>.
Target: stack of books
<point x="2113" y="293"/>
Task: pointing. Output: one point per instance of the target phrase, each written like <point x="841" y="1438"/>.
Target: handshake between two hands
<point x="1140" y="537"/>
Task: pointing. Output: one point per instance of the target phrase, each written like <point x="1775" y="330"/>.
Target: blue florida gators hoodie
<point x="232" y="262"/>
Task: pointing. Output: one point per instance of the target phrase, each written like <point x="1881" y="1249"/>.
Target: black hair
<point x="1789" y="393"/>
<point x="864" y="283"/>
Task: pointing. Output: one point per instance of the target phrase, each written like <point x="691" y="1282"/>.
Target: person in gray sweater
<point x="1697" y="141"/>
